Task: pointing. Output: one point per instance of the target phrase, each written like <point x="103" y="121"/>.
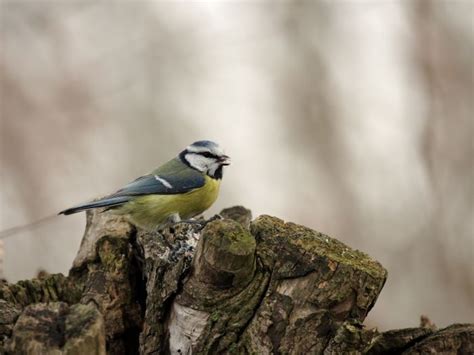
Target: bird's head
<point x="207" y="157"/>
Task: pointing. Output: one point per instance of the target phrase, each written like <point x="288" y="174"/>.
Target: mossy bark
<point x="227" y="286"/>
<point x="57" y="328"/>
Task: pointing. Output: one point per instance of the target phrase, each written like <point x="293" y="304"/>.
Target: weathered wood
<point x="221" y="295"/>
<point x="240" y="214"/>
<point x="225" y="286"/>
<point x="56" y="328"/>
<point x="9" y="313"/>
<point x="55" y="287"/>
<point x="107" y="270"/>
<point x="166" y="260"/>
<point x="455" y="339"/>
<point x="397" y="341"/>
<point x="316" y="284"/>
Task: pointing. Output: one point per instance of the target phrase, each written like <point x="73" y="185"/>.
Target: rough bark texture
<point x="57" y="328"/>
<point x="231" y="285"/>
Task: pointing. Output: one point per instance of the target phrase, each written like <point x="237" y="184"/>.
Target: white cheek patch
<point x="164" y="182"/>
<point x="198" y="161"/>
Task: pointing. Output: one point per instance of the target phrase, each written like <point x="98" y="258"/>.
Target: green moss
<point x="271" y="229"/>
<point x="231" y="236"/>
<point x="233" y="348"/>
<point x="215" y="316"/>
<point x="52" y="288"/>
<point x="113" y="253"/>
<point x="79" y="319"/>
<point x="230" y="313"/>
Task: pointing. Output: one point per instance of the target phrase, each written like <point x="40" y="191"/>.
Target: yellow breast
<point x="152" y="210"/>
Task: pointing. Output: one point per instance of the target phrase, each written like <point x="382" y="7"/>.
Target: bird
<point x="178" y="190"/>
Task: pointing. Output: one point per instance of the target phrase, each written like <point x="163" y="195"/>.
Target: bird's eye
<point x="208" y="155"/>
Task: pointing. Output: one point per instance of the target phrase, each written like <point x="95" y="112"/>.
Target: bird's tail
<point x="105" y="202"/>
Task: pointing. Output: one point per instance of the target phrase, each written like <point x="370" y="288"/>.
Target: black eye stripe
<point x="208" y="155"/>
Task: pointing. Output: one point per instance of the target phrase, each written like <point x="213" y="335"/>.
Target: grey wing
<point x="172" y="178"/>
<point x="163" y="184"/>
<point x="149" y="184"/>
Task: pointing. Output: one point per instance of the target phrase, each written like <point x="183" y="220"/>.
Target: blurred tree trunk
<point x="231" y="286"/>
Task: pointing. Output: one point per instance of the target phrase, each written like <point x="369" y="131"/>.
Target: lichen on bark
<point x="226" y="286"/>
<point x="56" y="327"/>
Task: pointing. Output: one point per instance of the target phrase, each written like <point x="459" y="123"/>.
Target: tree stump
<point x="225" y="286"/>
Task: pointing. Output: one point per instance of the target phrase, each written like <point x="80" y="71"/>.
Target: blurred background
<point x="352" y="117"/>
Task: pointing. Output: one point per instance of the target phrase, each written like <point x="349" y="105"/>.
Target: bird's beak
<point x="224" y="160"/>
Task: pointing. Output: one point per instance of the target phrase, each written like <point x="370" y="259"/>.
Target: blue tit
<point x="182" y="188"/>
